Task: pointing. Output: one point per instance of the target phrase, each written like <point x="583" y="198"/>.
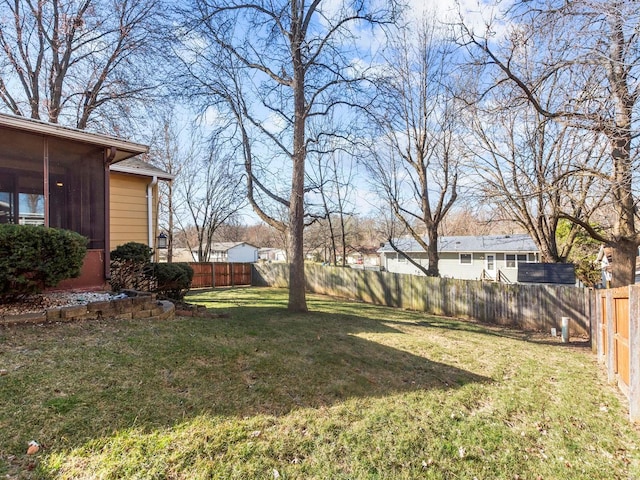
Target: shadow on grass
<point x="429" y="321"/>
<point x="70" y="383"/>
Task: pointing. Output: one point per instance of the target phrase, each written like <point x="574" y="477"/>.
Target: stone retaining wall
<point x="139" y="306"/>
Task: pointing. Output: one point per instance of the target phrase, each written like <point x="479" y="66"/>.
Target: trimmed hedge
<point x="172" y="280"/>
<point x="131" y="268"/>
<point x="33" y="258"/>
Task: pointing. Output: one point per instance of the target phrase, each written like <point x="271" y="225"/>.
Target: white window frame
<point x="470" y="262"/>
<point x="515" y="259"/>
<point x="495" y="261"/>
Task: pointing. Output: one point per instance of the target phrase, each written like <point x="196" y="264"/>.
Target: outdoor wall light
<point x="162" y="240"/>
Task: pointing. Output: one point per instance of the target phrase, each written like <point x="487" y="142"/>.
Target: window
<point x="75" y="199"/>
<point x="466" y="258"/>
<point x="512" y="259"/>
<point x="77" y="190"/>
<point x="31" y="209"/>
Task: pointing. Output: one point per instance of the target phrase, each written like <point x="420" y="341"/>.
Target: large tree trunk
<point x="625" y="245"/>
<point x="432" y="251"/>
<point x="623" y="264"/>
<point x="297" y="299"/>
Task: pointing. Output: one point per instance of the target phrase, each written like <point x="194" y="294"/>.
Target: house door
<point x="490" y="263"/>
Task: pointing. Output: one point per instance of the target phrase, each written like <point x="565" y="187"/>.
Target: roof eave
<point x="124" y="148"/>
<point x="143" y="172"/>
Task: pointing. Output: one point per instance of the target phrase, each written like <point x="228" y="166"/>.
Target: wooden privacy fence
<point x="531" y="307"/>
<point x="616" y="337"/>
<point x="220" y="274"/>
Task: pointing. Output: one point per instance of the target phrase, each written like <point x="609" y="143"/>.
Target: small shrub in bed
<point x="33" y="258"/>
<point x="131" y="267"/>
<point x="172" y="280"/>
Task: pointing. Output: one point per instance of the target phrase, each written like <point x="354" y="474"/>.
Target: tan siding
<point x="128" y="204"/>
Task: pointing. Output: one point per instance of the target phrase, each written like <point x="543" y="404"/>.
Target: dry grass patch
<point x="348" y="391"/>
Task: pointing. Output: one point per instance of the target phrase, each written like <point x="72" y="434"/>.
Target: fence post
<point x="610" y="360"/>
<point x="597" y="336"/>
<point x="591" y="306"/>
<point x="634" y="353"/>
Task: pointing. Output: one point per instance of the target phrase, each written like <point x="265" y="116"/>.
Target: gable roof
<point x="226" y="246"/>
<point x="137" y="166"/>
<point x="124" y="148"/>
<point x="519" y="243"/>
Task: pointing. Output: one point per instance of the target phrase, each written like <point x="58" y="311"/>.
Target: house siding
<point x="450" y="266"/>
<point x="242" y="254"/>
<point x="128" y="209"/>
<point x="393" y="262"/>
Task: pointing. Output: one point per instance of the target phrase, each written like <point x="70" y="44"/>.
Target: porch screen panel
<point x="76" y="190"/>
<point x="21" y="177"/>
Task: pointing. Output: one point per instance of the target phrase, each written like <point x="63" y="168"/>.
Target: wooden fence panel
<point x="220" y="274"/>
<point x="617" y="325"/>
<point x="534" y="307"/>
<point x="202" y="275"/>
<point x="241" y="273"/>
<point x="603" y="325"/>
<point x="621" y="338"/>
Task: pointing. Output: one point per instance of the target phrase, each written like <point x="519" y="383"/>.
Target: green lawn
<point x="348" y="391"/>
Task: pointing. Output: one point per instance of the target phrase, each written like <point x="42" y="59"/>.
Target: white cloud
<point x="476" y="14"/>
<point x="212" y="117"/>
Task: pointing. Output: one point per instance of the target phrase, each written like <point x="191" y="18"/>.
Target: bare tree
<point x="591" y="48"/>
<point x="530" y="169"/>
<point x="417" y="168"/>
<point x="74" y="61"/>
<point x="331" y="178"/>
<point x="167" y="153"/>
<point x="285" y="63"/>
<point x="209" y="192"/>
<point x="471" y="217"/>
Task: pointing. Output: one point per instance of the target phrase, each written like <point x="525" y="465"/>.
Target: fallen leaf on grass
<point x="34" y="447"/>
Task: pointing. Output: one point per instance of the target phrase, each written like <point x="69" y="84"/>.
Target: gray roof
<point x="520" y="243"/>
<point x="137" y="166"/>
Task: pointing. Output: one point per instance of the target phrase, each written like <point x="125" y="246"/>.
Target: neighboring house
<point x="267" y="254"/>
<point x="134" y="202"/>
<point x="367" y="256"/>
<point x="233" y="252"/>
<point x="605" y="256"/>
<point x="491" y="257"/>
<point x="59" y="177"/>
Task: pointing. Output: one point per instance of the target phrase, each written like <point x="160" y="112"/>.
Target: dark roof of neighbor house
<point x="137" y="166"/>
<point x="124" y="148"/>
<point x="486" y="243"/>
